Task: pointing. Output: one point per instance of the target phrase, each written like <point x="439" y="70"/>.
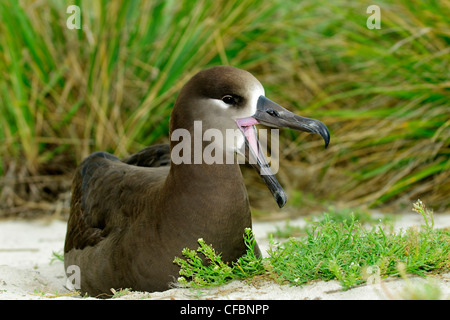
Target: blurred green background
<point x="383" y="93"/>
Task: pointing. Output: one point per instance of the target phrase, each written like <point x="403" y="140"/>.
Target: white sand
<point x="26" y="272"/>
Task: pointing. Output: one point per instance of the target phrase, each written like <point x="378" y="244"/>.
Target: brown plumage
<point x="130" y="218"/>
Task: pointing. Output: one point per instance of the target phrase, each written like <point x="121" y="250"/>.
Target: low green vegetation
<point x="216" y="272"/>
<point x="331" y="249"/>
<point x="337" y="216"/>
<point x="43" y="294"/>
<point x="57" y="256"/>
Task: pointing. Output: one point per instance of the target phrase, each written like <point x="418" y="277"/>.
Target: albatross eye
<point x="228" y="99"/>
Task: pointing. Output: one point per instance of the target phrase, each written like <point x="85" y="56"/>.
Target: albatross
<point x="130" y="218"/>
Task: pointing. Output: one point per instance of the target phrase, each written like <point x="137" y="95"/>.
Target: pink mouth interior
<point x="247" y="127"/>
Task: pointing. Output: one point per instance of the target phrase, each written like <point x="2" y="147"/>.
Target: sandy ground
<point x="26" y="270"/>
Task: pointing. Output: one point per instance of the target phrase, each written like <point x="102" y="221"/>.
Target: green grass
<point x="57" y="256"/>
<point x="342" y="250"/>
<point x="383" y="93"/>
<point x="119" y="74"/>
<point x="111" y="85"/>
<point x="339" y="216"/>
<point x="43" y="294"/>
<point x="120" y="293"/>
<point x="195" y="273"/>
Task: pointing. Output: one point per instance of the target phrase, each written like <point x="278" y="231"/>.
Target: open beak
<point x="273" y="115"/>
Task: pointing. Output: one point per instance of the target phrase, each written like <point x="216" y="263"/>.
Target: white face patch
<point x="219" y="103"/>
<point x="250" y="110"/>
<point x="256" y="92"/>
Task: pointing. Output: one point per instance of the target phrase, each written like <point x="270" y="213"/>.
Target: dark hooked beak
<point x="273" y="115"/>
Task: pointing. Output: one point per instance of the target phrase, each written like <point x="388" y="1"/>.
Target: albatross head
<point x="225" y="98"/>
